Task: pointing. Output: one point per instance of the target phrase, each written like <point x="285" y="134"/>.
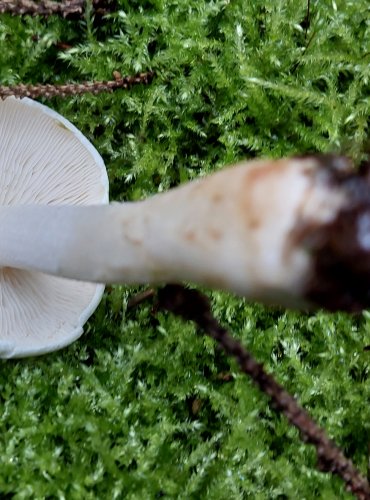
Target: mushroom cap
<point x="44" y="160"/>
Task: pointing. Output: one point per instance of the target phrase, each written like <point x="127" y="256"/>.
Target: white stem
<point x="230" y="230"/>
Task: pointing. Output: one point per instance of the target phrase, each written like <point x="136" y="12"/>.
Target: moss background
<point x="141" y="407"/>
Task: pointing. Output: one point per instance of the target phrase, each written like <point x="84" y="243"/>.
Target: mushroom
<point x="44" y="160"/>
<point x="292" y="232"/>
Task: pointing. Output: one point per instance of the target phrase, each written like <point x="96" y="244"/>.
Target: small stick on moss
<point x="194" y="306"/>
<point x="306" y="21"/>
<point x="140" y="297"/>
<point x="42" y="7"/>
<point x="49" y="90"/>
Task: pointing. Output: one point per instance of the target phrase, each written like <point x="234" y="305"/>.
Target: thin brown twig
<point x="194" y="306"/>
<point x="42" y="7"/>
<point x="140" y="297"/>
<point x="49" y="90"/>
<point x="307" y="19"/>
<point x="66" y="8"/>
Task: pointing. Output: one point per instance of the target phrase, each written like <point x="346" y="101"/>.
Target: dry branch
<point x="194" y="306"/>
<point x="49" y="90"/>
<point x="42" y="7"/>
<point x="66" y="8"/>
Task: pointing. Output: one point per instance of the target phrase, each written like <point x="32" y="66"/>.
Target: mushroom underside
<point x="44" y="160"/>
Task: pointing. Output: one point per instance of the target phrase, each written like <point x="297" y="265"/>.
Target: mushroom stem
<point x="232" y="230"/>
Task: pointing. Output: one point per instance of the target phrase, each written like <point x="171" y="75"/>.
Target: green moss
<point x="140" y="406"/>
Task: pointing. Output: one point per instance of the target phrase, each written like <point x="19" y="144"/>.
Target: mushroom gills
<point x="45" y="161"/>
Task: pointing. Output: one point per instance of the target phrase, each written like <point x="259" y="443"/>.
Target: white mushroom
<point x="275" y="231"/>
<point x="44" y="160"/>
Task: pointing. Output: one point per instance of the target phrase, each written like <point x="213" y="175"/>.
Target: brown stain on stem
<point x="215" y="234"/>
<point x="217" y="197"/>
<point x="258" y="179"/>
<point x="190" y="236"/>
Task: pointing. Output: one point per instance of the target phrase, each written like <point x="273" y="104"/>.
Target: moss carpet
<point x="141" y="407"/>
